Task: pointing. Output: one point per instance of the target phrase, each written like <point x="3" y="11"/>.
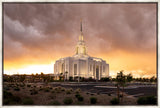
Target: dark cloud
<point x="41" y="29"/>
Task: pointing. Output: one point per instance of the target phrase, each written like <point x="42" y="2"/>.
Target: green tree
<point x="33" y="77"/>
<point x="61" y="76"/>
<point x="42" y="76"/>
<point x="152" y="79"/>
<point x="129" y="77"/>
<point x="22" y="77"/>
<point x="121" y="80"/>
<point x="66" y="75"/>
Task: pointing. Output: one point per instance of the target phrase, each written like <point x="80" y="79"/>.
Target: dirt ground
<point x="45" y="97"/>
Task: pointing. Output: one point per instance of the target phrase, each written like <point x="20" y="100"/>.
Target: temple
<point x="81" y="64"/>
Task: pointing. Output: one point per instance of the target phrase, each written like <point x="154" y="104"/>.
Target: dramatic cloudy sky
<point x="35" y="35"/>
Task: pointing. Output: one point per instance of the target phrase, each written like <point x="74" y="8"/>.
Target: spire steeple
<point x="81" y="25"/>
<point x="81" y="36"/>
<point x="81" y="48"/>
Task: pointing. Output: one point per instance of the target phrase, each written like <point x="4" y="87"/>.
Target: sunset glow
<point x="36" y="35"/>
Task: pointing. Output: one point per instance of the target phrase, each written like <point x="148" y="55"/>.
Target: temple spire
<point x="81" y="48"/>
<point x="81" y="25"/>
<point x="81" y="36"/>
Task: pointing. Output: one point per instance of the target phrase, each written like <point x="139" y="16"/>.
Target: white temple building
<point x="81" y="64"/>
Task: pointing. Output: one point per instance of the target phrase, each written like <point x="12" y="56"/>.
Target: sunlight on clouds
<point x="46" y="69"/>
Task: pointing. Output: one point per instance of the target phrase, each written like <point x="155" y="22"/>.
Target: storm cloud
<point x="52" y="30"/>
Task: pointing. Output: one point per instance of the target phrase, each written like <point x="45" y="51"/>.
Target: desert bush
<point x="53" y="96"/>
<point x="142" y="100"/>
<point x="53" y="91"/>
<point x="93" y="100"/>
<point x="58" y="91"/>
<point x="63" y="89"/>
<point x="67" y="101"/>
<point x="79" y="103"/>
<point x="78" y="90"/>
<point x="17" y="84"/>
<point x="114" y="101"/>
<point x="71" y="89"/>
<point x="40" y="89"/>
<point x="28" y="85"/>
<point x="87" y="93"/>
<point x="9" y="98"/>
<point x="59" y="87"/>
<point x="68" y="92"/>
<point x="105" y="79"/>
<point x="17" y="89"/>
<point x="152" y="100"/>
<point x="34" y="86"/>
<point x="109" y="94"/>
<point x="6" y="88"/>
<point x="34" y="91"/>
<point x="121" y="95"/>
<point x="70" y="78"/>
<point x="22" y="85"/>
<point x="27" y="101"/>
<point x="77" y="95"/>
<point x="55" y="88"/>
<point x="147" y="100"/>
<point x="92" y="94"/>
<point x="55" y="103"/>
<point x="80" y="98"/>
<point x="46" y="89"/>
<point x="7" y="94"/>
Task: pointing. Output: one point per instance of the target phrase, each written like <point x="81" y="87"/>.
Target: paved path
<point x="105" y="88"/>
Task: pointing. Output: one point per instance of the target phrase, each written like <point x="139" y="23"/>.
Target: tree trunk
<point x="122" y="93"/>
<point x="118" y="91"/>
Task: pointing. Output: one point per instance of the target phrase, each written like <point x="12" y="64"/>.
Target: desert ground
<point x="65" y="93"/>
